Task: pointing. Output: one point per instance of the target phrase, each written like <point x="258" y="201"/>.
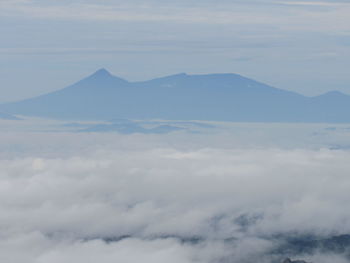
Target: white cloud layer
<point x="160" y="198"/>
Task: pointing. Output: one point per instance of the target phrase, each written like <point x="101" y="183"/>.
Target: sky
<point x="301" y="46"/>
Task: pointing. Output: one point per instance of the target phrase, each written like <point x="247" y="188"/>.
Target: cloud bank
<point x="156" y="204"/>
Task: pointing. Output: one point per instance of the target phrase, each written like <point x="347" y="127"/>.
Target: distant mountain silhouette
<point x="218" y="97"/>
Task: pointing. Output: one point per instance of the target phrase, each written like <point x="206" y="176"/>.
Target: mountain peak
<point x="102" y="75"/>
<point x="102" y="72"/>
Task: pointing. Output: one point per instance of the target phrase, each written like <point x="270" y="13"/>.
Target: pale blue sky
<point x="302" y="46"/>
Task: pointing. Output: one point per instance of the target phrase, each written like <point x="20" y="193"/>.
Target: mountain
<point x="218" y="97"/>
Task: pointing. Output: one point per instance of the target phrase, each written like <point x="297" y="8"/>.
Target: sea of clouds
<point x="67" y="197"/>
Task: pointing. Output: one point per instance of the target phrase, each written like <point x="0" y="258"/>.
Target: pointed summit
<point x="101" y="76"/>
<point x="102" y="72"/>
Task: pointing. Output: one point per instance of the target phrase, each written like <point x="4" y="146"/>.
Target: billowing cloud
<point x="176" y="204"/>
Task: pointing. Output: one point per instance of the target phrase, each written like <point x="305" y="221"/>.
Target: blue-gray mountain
<point x="218" y="97"/>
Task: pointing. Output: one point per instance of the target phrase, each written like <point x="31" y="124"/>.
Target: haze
<point x="301" y="46"/>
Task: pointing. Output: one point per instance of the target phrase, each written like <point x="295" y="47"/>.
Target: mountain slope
<point x="220" y="97"/>
<point x="84" y="98"/>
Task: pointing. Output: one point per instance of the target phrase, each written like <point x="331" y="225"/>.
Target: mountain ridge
<point x="217" y="97"/>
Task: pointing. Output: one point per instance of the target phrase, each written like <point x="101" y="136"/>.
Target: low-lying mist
<point x="133" y="198"/>
<point x="235" y="193"/>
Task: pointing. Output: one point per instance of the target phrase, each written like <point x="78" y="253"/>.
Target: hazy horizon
<point x="300" y="46"/>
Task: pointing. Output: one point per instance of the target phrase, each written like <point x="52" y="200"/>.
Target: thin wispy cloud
<point x="315" y="3"/>
<point x="155" y="11"/>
